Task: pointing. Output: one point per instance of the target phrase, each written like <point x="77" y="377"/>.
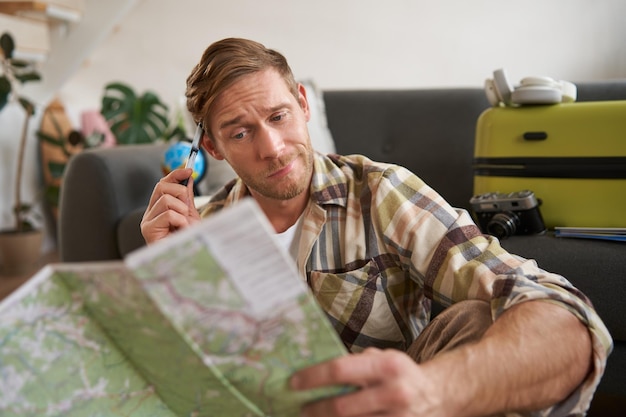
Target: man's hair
<point x="222" y="64"/>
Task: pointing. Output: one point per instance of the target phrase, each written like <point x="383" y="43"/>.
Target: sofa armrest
<point x="100" y="187"/>
<point x="595" y="267"/>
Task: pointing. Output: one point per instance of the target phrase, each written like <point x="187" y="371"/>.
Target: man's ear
<point x="209" y="146"/>
<point x="304" y="103"/>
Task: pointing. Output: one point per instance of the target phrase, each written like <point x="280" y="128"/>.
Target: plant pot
<point x="19" y="252"/>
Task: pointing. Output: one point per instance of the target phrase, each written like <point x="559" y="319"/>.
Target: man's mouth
<point x="282" y="171"/>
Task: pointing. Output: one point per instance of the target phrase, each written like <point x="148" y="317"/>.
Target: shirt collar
<point x="330" y="183"/>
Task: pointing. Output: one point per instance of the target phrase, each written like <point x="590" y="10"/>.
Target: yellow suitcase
<point x="571" y="155"/>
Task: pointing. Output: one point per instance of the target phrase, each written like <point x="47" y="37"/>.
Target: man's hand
<point x="389" y="383"/>
<point x="533" y="356"/>
<point x="171" y="206"/>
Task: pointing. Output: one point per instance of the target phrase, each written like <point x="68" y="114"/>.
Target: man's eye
<point x="278" y="117"/>
<point x="239" y="135"/>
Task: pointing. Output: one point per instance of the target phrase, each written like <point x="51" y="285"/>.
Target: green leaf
<point x="5" y="84"/>
<point x="28" y="106"/>
<point x="57" y="126"/>
<point x="60" y="141"/>
<point x="49" y="139"/>
<point x="30" y="76"/>
<point x="5" y="91"/>
<point x="22" y="208"/>
<point x="19" y="64"/>
<point x="56" y="169"/>
<point x="7" y="45"/>
<point x="124" y="89"/>
<point x="26" y="226"/>
<point x="134" y="119"/>
<point x="52" y="194"/>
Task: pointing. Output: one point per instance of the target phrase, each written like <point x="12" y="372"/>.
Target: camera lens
<point x="503" y="225"/>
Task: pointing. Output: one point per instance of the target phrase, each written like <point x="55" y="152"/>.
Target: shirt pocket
<point x="362" y="307"/>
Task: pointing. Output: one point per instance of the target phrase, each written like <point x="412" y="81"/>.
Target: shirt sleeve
<point x="445" y="252"/>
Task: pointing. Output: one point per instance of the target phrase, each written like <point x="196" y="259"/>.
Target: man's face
<point x="259" y="127"/>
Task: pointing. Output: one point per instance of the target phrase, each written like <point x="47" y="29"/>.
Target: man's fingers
<point x="163" y="224"/>
<point x="171" y="184"/>
<point x="174" y="200"/>
<point x="363" y="402"/>
<point x="358" y="370"/>
<point x="388" y="382"/>
<point x="168" y="213"/>
<point x="178" y="175"/>
<point x="171" y="206"/>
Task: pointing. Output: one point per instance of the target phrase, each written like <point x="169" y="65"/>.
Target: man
<point x="374" y="243"/>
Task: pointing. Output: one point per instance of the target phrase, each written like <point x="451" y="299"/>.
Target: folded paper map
<point x="211" y="321"/>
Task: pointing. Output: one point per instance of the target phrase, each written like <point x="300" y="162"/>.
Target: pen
<point x="195" y="147"/>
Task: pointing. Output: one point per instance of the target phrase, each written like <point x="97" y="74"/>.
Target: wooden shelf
<point x="31" y="37"/>
<point x="30" y="23"/>
<point x="62" y="10"/>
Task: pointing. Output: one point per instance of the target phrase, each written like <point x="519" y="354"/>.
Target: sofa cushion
<point x="430" y="132"/>
<point x="594" y="267"/>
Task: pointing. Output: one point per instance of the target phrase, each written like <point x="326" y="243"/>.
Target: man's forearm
<point x="532" y="357"/>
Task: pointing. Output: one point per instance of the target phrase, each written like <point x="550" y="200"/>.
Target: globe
<point x="176" y="155"/>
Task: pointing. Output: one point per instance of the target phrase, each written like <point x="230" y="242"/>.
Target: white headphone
<point x="532" y="90"/>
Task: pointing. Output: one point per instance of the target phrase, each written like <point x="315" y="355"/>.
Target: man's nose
<point x="270" y="142"/>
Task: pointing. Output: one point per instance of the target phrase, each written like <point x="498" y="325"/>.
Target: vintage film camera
<point x="503" y="215"/>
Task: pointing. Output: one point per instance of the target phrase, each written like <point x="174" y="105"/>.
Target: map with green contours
<point x="183" y="334"/>
<point x="55" y="360"/>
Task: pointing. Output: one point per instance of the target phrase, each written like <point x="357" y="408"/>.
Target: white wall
<point x="350" y="44"/>
<point x="365" y="43"/>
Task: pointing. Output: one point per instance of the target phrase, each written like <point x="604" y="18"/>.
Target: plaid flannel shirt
<point x="377" y="244"/>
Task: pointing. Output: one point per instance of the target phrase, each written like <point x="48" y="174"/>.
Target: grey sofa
<point x="430" y="131"/>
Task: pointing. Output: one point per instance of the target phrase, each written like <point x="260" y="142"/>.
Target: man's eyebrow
<point x="230" y="122"/>
<point x="237" y="119"/>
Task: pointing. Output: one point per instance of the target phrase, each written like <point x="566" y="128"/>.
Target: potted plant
<point x="20" y="245"/>
<point x="137" y="119"/>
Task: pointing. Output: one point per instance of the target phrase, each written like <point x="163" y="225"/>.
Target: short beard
<point x="291" y="190"/>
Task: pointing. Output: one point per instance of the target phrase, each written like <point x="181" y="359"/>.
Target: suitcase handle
<point x="533" y="136"/>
